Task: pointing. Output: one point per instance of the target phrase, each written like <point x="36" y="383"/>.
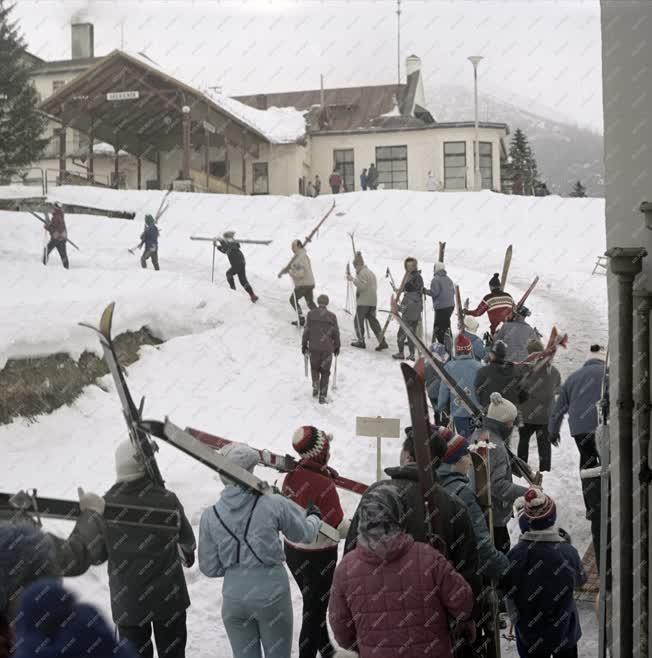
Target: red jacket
<point x="57" y="225"/>
<point x="497" y="305"/>
<point x="397" y="601"/>
<point x="335" y="180"/>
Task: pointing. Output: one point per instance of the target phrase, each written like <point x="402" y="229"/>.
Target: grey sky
<point x="538" y="53"/>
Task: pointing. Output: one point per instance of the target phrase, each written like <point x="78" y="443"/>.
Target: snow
<point x="235" y="369"/>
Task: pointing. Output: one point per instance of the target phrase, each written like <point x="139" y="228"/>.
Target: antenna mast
<point x="398" y="42"/>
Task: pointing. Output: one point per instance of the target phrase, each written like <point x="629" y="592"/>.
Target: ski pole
<point x="213" y="266"/>
<point x="296" y="308"/>
<point x="335" y="375"/>
<point x="305" y="364"/>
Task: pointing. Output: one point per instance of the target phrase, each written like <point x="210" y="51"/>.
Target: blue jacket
<point x="493" y="563"/>
<point x="462" y="369"/>
<point x="479" y="350"/>
<point x="432" y="378"/>
<point x="442" y="290"/>
<point x="545" y="571"/>
<point x="578" y="398"/>
<point x="252" y="538"/>
<point x="150" y="238"/>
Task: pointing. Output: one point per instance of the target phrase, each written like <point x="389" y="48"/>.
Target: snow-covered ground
<point x="234" y="368"/>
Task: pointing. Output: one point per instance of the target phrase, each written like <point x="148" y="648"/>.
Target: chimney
<point x="412" y="64"/>
<point x="82" y="44"/>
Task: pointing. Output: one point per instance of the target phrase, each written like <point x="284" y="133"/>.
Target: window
<point x="217" y="168"/>
<point x="343" y="162"/>
<point x="486" y="165"/>
<point x="56" y="85"/>
<point x="392" y="166"/>
<point x="261" y="178"/>
<point x="119" y="182"/>
<point x="455" y="165"/>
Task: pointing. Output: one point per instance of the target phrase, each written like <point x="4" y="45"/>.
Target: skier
<point x="410" y="307"/>
<point x="372" y="177"/>
<point x="433" y="381"/>
<point x="542" y="383"/>
<point x="470" y="328"/>
<point x="498" y="305"/>
<point x="231" y="248"/>
<point x="442" y="292"/>
<point x="496" y="429"/>
<point x="578" y="398"/>
<point x="366" y="301"/>
<point x="321" y="339"/>
<point x="335" y="181"/>
<point x="515" y="332"/>
<point x="363" y="180"/>
<point x="544" y="573"/>
<point x="149" y="238"/>
<point x="300" y="270"/>
<point x="393" y="596"/>
<point x="313" y="565"/>
<point x="463" y="369"/>
<point x="58" y="236"/>
<point x="501" y="376"/>
<point x="317" y="185"/>
<point x="239" y="541"/>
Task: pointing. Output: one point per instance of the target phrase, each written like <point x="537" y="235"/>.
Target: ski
<point x="460" y="314"/>
<point x="23" y="504"/>
<point x="215" y="240"/>
<point x="392" y="283"/>
<point x="282" y="463"/>
<point x="142" y="443"/>
<point x="193" y="447"/>
<point x="42" y="204"/>
<point x="421" y="430"/>
<point x="507" y="261"/>
<point x="441" y="251"/>
<point x="163" y="207"/>
<point x="47" y="222"/>
<point x="526" y="294"/>
<point x="395" y="301"/>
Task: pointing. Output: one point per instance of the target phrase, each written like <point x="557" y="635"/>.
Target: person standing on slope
<point x="410" y="307"/>
<point x="231" y="248"/>
<point x="498" y="305"/>
<point x="366" y="297"/>
<point x="56" y="227"/>
<point x="515" y="332"/>
<point x="300" y="270"/>
<point x="313" y="565"/>
<point x="317" y="185"/>
<point x="321" y="339"/>
<point x="470" y="328"/>
<point x="239" y="541"/>
<point x="372" y="177"/>
<point x="500" y="376"/>
<point x="335" y="181"/>
<point x="149" y="238"/>
<point x="442" y="292"/>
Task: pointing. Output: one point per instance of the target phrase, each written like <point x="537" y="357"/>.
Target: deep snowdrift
<point x="235" y="368"/>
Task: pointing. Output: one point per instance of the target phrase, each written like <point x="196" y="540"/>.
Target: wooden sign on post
<point x="379" y="427"/>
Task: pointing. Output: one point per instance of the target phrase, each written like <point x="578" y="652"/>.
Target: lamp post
<point x="477" y="178"/>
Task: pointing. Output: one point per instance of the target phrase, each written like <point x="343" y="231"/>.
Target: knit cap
<point x="540" y="509"/>
<point x="312" y="443"/>
<point x="463" y="345"/>
<point x="323" y="300"/>
<point x="358" y="261"/>
<point x="241" y="454"/>
<point x="494" y="283"/>
<point x="534" y="345"/>
<point x="471" y="324"/>
<point x="500" y="409"/>
<point x="596" y="351"/>
<point x="227" y="235"/>
<point x="127" y="464"/>
<point x="456" y="448"/>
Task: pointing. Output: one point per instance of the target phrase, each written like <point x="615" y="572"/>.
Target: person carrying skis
<point x="321" y="339"/>
<point x="300" y="271"/>
<point x="391" y="595"/>
<point x="313" y="565"/>
<point x="515" y="332"/>
<point x="500" y="376"/>
<point x="442" y="292"/>
<point x="497" y="427"/>
<point x="463" y="369"/>
<point x="545" y="570"/>
<point x="579" y="395"/>
<point x="56" y="227"/>
<point x="239" y="541"/>
<point x="410" y="307"/>
<point x="498" y="305"/>
<point x="231" y="248"/>
<point x="542" y="383"/>
<point x="149" y="238"/>
<point x="470" y="328"/>
<point x="366" y="297"/>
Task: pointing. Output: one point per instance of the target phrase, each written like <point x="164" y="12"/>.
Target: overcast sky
<point x="538" y="53"/>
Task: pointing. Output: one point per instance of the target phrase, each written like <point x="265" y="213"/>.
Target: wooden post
<point x="91" y="142"/>
<point x="158" y="170"/>
<point x="207" y="139"/>
<point x="138" y="172"/>
<point x="185" y="172"/>
<point x="62" y="153"/>
<point x="244" y="162"/>
<point x="116" y="163"/>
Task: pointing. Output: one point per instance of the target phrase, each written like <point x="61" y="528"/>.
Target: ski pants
<point x="60" y="246"/>
<point x="543" y="444"/>
<point x="240" y="272"/>
<point x="305" y="292"/>
<point x="401" y="337"/>
<point x="257" y="610"/>
<point x="320" y="368"/>
<point x="589" y="458"/>
<point x="335" y="189"/>
<point x="367" y="313"/>
<point x="313" y="572"/>
<point x="442" y="323"/>
<point x="147" y="255"/>
<point x="170" y="635"/>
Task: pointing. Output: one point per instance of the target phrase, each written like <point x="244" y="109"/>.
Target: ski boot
<point x="322" y="399"/>
<point x="410" y="357"/>
<point x="359" y="343"/>
<point x="302" y="321"/>
<point x="382" y="346"/>
<point x="253" y="297"/>
<point x="399" y="356"/>
<point x="315" y="391"/>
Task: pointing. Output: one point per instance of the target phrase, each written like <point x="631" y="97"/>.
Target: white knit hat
<point x="501" y="409"/>
<point x="240" y="454"/>
<point x="127" y="465"/>
<point x="471" y="324"/>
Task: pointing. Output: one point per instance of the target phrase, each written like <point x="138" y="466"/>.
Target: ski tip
<point x="106" y="321"/>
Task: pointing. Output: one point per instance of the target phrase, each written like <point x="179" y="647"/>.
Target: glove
<point x="564" y="535"/>
<point x="90" y="502"/>
<point x="337" y="352"/>
<point x="554" y="439"/>
<point x="187" y="557"/>
<point x="313" y="510"/>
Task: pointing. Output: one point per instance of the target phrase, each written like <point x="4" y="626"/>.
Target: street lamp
<point x="477" y="179"/>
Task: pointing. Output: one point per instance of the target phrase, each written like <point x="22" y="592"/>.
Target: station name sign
<point x="122" y="95"/>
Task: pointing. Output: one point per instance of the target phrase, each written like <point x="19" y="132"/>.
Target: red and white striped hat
<point x="311" y="443"/>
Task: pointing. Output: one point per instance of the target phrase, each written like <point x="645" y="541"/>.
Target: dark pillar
<point x="62" y="154"/>
<point x="185" y="171"/>
<point x="158" y="170"/>
<point x="116" y="163"/>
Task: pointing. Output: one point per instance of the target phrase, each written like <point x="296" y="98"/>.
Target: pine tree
<point x="578" y="190"/>
<point x="21" y="126"/>
<point x="524" y="164"/>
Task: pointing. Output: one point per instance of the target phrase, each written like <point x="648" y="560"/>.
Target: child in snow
<point x="391" y="595"/>
<point x="239" y="541"/>
<point x="545" y="570"/>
